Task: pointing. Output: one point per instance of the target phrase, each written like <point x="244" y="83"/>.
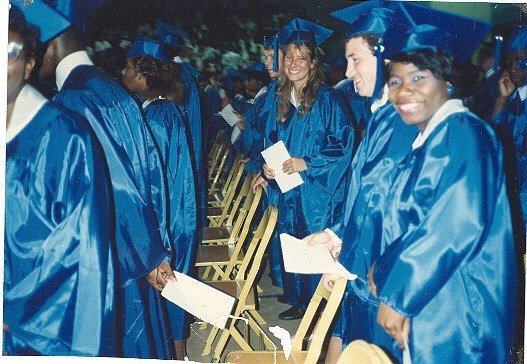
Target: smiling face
<point x="416" y="94"/>
<point x="362" y="66"/>
<point x="512" y="59"/>
<point x="297" y="64"/>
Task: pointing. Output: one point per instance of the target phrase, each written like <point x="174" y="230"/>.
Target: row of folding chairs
<point x="230" y="258"/>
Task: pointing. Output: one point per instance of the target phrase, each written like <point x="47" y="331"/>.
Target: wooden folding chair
<point x="218" y="141"/>
<point x="229" y="234"/>
<point x="219" y="197"/>
<point x="225" y="216"/>
<point x="360" y="351"/>
<point x="243" y="288"/>
<point x="298" y="355"/>
<point x="217" y="164"/>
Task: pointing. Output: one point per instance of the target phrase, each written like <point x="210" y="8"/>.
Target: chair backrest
<point x="245" y="190"/>
<point x="215" y="146"/>
<point x="360" y="351"/>
<point x="252" y="260"/>
<point x="218" y="169"/>
<point x="333" y="299"/>
<point x="234" y="176"/>
<point x="244" y="216"/>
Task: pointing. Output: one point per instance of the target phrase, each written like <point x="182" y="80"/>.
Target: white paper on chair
<point x="274" y="157"/>
<point x="228" y="114"/>
<point x="301" y="258"/>
<point x="199" y="299"/>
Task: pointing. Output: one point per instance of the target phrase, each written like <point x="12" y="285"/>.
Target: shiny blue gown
<point x="324" y="138"/>
<point x="252" y="135"/>
<point x="360" y="106"/>
<point x="168" y="128"/>
<point x="486" y="94"/>
<point x="138" y="188"/>
<point x="59" y="251"/>
<point x="447" y="254"/>
<point x="511" y="123"/>
<point x="386" y="142"/>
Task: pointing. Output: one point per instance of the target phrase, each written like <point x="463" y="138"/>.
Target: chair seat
<point x="214" y="211"/>
<point x="216" y="233"/>
<point x="233" y="288"/>
<point x="217" y="254"/>
<point x="298" y="357"/>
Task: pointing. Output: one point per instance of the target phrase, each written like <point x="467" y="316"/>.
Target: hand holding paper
<point x="188" y="293"/>
<point x="301" y="258"/>
<point x="275" y="156"/>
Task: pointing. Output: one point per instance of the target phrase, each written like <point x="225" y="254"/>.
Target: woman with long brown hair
<point x="315" y="126"/>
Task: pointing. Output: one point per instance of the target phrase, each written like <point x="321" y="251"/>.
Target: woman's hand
<point x="294" y="165"/>
<point x="323" y="238"/>
<point x="268" y="172"/>
<point x="329" y="279"/>
<point x="505" y="85"/>
<point x="159" y="277"/>
<point x="395" y="324"/>
<point x="257" y="181"/>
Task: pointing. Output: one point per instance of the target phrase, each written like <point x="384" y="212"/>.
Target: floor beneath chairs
<point x="269" y="309"/>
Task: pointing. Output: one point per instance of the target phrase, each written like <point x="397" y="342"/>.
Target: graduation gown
<point x="138" y="188"/>
<point x="252" y="135"/>
<point x="324" y="138"/>
<point x="511" y="123"/>
<point x="360" y="106"/>
<point x="59" y="280"/>
<point x="168" y="128"/>
<point x="386" y="142"/>
<point x="447" y="255"/>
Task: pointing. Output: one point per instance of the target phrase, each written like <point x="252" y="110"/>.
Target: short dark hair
<point x="161" y="77"/>
<point x="260" y="76"/>
<point x="371" y="39"/>
<point x="439" y="62"/>
<point x="29" y="32"/>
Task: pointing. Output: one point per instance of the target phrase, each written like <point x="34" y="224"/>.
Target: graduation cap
<point x="369" y="17"/>
<point x="271" y="39"/>
<point x="37" y="13"/>
<point x="170" y="34"/>
<point x="149" y="47"/>
<point x="303" y="31"/>
<point x="76" y="11"/>
<point x="518" y="40"/>
<point x="415" y="27"/>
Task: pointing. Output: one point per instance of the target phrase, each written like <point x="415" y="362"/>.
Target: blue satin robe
<point x="138" y="188"/>
<point x="447" y="255"/>
<point x="252" y="135"/>
<point x="59" y="280"/>
<point x="192" y="111"/>
<point x="360" y="106"/>
<point x="324" y="138"/>
<point x="168" y="128"/>
<point x="486" y="95"/>
<point x="511" y="123"/>
<point x="386" y="143"/>
<point x="211" y="104"/>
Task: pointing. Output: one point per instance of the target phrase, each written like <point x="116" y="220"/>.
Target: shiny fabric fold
<point x="59" y="250"/>
<point x="447" y="255"/>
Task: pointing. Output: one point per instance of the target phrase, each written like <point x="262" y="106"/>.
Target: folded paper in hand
<point x="316" y="259"/>
<point x="275" y="156"/>
<point x="228" y="114"/>
<point x="199" y="299"/>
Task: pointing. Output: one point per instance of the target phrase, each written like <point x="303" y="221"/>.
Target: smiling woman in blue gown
<point x="59" y="251"/>
<point x="315" y="126"/>
<point x="150" y="73"/>
<point x="446" y="275"/>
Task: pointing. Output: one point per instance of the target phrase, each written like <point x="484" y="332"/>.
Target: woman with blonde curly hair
<point x="313" y="122"/>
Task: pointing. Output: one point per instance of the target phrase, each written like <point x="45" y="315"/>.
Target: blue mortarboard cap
<point x="169" y="28"/>
<point x="171" y="39"/>
<point x="303" y="31"/>
<point x="149" y="47"/>
<point x="416" y="27"/>
<point x="518" y="39"/>
<point x="369" y="17"/>
<point x="269" y="36"/>
<point x="256" y="67"/>
<point x="37" y="13"/>
<point x="76" y="11"/>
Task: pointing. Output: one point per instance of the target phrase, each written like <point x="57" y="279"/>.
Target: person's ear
<point x="30" y="64"/>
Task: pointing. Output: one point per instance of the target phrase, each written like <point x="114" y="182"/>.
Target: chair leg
<point x="210" y="340"/>
<point x="206" y="273"/>
<point x="258" y="318"/>
<point x="265" y="341"/>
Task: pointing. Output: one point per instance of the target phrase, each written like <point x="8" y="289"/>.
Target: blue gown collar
<point x="68" y="64"/>
<point x="27" y="105"/>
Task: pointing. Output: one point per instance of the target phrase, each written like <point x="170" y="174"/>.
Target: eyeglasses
<point x="13" y="51"/>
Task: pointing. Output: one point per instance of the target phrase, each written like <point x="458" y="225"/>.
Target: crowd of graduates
<point x="414" y="185"/>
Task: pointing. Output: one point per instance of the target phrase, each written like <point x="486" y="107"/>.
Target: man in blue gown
<point x="59" y="250"/>
<point x="137" y="184"/>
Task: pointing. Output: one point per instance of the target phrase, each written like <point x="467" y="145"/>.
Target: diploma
<point x="304" y="259"/>
<point x="199" y="299"/>
<point x="228" y="114"/>
<point x="275" y="156"/>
